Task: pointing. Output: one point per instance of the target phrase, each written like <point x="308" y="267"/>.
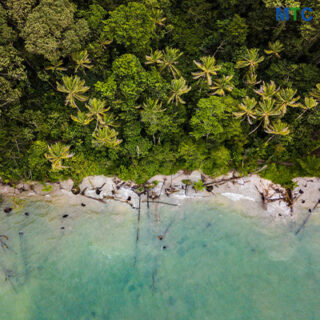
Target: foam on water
<point x="213" y="263"/>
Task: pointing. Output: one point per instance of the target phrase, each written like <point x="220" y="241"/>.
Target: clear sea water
<point x="214" y="262"/>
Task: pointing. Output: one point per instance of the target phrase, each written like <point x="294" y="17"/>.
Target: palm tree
<point x="315" y="92"/>
<point x="82" y="60"/>
<point x="251" y="79"/>
<point x="275" y="49"/>
<point x="208" y="67"/>
<point x="109" y="120"/>
<point x="250" y="59"/>
<point x="81" y="118"/>
<point x="97" y="109"/>
<point x="170" y="60"/>
<point x="158" y="18"/>
<point x="247" y="109"/>
<point x="154" y="57"/>
<point x="178" y="88"/>
<point x="266" y="110"/>
<point x="105" y="136"/>
<point x="56" y="154"/>
<point x="75" y="88"/>
<point x="222" y="85"/>
<point x="309" y="103"/>
<point x="56" y="66"/>
<point x="267" y="91"/>
<point x="278" y="128"/>
<point x="286" y="98"/>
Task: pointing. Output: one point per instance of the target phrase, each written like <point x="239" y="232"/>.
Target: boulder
<point x="67" y="185"/>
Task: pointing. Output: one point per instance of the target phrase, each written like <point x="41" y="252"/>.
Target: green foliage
<point x="51" y="30"/>
<point x="131" y="26"/>
<point x="157" y="86"/>
<point x="198" y="185"/>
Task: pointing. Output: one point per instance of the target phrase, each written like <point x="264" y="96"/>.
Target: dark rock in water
<point x="20" y="234"/>
<point x="209" y="188"/>
<point x="204" y="245"/>
<point x="93" y="313"/>
<point x="310" y="210"/>
<point x="253" y="250"/>
<point x="83" y="204"/>
<point x="7" y="210"/>
<point x="65" y="216"/>
<point x="164" y="247"/>
<point x="62" y="228"/>
<point x="209" y="224"/>
<point x="75" y="190"/>
<point x="27" y="214"/>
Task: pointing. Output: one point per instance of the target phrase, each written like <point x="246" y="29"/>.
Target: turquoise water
<point x="217" y="264"/>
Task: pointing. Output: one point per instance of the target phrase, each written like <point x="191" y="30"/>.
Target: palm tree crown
<point x="178" y="88"/>
<point x="208" y="68"/>
<point x="75" y="89"/>
<point x="56" y="154"/>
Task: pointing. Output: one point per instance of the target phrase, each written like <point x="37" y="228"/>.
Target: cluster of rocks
<point x="276" y="200"/>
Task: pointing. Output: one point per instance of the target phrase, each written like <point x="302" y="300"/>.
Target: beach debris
<point x="305" y="220"/>
<point x="7" y="210"/>
<point x="65" y="216"/>
<point x="83" y="204"/>
<point x="160" y="237"/>
<point x="3" y="238"/>
<point x="27" y="214"/>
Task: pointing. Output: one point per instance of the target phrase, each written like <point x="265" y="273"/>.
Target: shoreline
<point x="271" y="199"/>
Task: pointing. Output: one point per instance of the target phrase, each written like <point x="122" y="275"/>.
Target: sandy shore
<point x="251" y="191"/>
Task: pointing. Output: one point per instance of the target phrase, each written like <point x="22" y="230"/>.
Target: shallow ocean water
<point x="213" y="263"/>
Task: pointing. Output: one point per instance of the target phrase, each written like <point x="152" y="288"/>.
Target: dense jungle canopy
<point x="139" y="88"/>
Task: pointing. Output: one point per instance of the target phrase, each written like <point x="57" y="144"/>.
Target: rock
<point x="307" y="189"/>
<point x="42" y="190"/>
<point x="7" y="210"/>
<point x="67" y="184"/>
<point x="23" y="187"/>
<point x="127" y="195"/>
<point x="7" y="190"/>
<point x="98" y="187"/>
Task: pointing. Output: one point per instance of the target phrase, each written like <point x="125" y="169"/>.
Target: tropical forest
<point x="139" y="88"/>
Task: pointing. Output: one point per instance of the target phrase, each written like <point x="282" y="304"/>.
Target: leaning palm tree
<point x="154" y="57"/>
<point x="309" y="103"/>
<point x="250" y="59"/>
<point x="208" y="68"/>
<point x="286" y="98"/>
<point x="267" y="91"/>
<point x="97" y="109"/>
<point x="81" y="60"/>
<point x="81" y="118"/>
<point x="105" y="136"/>
<point x="75" y="89"/>
<point x="278" y="128"/>
<point x="56" y="154"/>
<point x="170" y="60"/>
<point x="220" y="86"/>
<point x="178" y="88"/>
<point x="274" y="49"/>
<point x="247" y="109"/>
<point x="267" y="109"/>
